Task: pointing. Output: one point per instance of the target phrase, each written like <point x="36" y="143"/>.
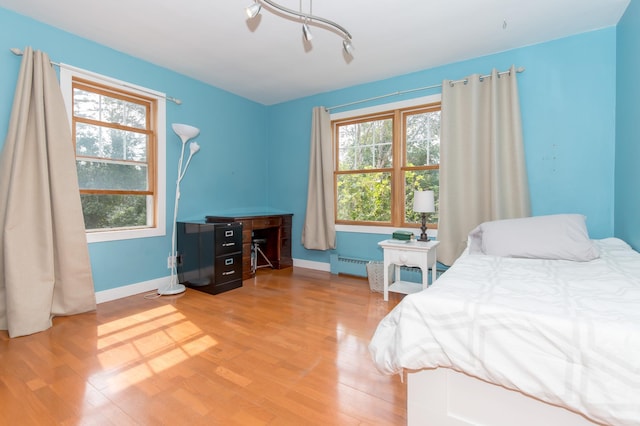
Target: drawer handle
<point x="229" y="273"/>
<point x="228" y="262"/>
<point x="228" y="233"/>
<point x="228" y="244"/>
<point x="403" y="258"/>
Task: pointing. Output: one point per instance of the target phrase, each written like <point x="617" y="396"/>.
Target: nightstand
<point x="420" y="254"/>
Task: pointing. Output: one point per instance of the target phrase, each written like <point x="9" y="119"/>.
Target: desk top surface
<point x="226" y="216"/>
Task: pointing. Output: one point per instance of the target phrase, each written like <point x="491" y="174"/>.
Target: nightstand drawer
<point x="405" y="257"/>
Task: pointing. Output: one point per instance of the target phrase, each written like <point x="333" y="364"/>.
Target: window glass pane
<point x="108" y="109"/>
<point x="364" y="197"/>
<point x="423" y="139"/>
<point x="114" y="211"/>
<point x="109" y="175"/>
<point x="103" y="142"/>
<point x="421" y="180"/>
<point x="365" y="145"/>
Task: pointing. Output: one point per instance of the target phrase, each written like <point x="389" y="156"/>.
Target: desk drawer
<point x="267" y="222"/>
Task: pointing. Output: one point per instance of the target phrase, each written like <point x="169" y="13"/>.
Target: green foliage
<point x="366" y="196"/>
<point x="113" y="211"/>
<point x="111" y="158"/>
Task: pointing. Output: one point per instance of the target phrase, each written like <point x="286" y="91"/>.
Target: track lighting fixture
<point x="306" y="31"/>
<point x="347" y="46"/>
<point x="254" y="9"/>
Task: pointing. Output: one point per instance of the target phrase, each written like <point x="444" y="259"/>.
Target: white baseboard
<point x="132" y="289"/>
<point x="146" y="286"/>
<point x="309" y="264"/>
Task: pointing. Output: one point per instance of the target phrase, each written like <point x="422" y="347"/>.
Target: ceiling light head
<point x="306" y="32"/>
<point x="253" y="10"/>
<point x="347" y="46"/>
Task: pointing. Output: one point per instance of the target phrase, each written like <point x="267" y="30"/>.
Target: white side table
<point x="421" y="254"/>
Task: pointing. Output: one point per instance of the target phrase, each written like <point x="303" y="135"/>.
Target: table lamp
<point x="423" y="202"/>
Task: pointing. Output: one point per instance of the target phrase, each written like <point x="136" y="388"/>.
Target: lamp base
<point x="423" y="229"/>
<point x="172" y="289"/>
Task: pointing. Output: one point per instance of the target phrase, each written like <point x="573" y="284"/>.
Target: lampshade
<point x="423" y="202"/>
<point x="185" y="131"/>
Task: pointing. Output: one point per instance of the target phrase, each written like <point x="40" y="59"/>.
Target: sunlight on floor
<point x="141" y="345"/>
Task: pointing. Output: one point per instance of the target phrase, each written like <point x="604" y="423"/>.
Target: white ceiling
<point x="267" y="61"/>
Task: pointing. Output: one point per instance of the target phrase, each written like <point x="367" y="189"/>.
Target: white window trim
<point x="368" y="229"/>
<point x="66" y="75"/>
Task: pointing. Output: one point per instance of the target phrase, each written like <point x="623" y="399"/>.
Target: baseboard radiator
<point x="348" y="265"/>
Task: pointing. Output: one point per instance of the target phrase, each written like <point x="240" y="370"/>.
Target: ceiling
<point x="267" y="60"/>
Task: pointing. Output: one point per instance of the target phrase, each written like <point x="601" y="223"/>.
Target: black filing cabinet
<point x="210" y="255"/>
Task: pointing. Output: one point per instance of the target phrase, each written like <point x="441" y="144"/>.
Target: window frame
<point x="399" y="155"/>
<point x="156" y="150"/>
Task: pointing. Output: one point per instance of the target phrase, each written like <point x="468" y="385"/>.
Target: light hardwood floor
<point x="288" y="348"/>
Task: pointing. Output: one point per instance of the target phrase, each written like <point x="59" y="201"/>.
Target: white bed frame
<point x="444" y="397"/>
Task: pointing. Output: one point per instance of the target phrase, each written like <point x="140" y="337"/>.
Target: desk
<point x="274" y="227"/>
<point x="414" y="254"/>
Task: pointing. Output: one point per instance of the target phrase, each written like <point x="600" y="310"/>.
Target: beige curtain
<point x="44" y="258"/>
<point x="482" y="167"/>
<point x="319" y="231"/>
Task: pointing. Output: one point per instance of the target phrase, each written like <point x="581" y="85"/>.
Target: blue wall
<point x="229" y="170"/>
<point x="627" y="195"/>
<point x="568" y="95"/>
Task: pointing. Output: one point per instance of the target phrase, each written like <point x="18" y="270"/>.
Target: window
<point x="381" y="158"/>
<point x="118" y="135"/>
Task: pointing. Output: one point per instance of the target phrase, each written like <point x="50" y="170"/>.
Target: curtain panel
<point x="44" y="259"/>
<point x="319" y="231"/>
<point x="482" y="166"/>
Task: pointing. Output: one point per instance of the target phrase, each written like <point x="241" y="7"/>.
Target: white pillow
<point x="561" y="236"/>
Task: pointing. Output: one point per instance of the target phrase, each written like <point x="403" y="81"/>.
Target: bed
<point x="534" y="324"/>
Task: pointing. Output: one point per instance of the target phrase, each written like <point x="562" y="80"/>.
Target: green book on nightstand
<point x="403" y="235"/>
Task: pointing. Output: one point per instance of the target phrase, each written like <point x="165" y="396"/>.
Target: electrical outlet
<point x="171" y="261"/>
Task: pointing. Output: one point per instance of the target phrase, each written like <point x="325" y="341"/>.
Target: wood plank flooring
<point x="288" y="348"/>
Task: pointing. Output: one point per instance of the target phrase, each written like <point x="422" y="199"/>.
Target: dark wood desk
<point x="275" y="228"/>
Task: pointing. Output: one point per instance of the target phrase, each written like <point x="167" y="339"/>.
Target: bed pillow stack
<point x="558" y="237"/>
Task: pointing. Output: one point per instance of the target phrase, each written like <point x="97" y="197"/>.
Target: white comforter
<point x="565" y="332"/>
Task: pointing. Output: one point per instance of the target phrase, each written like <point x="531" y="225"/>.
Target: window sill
<point x="362" y="229"/>
<point x="99" y="237"/>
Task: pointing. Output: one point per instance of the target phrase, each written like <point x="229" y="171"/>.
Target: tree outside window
<point x="381" y="159"/>
<point x="115" y="156"/>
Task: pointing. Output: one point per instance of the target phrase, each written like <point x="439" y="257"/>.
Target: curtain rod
<point x="402" y="92"/>
<point x="176" y="101"/>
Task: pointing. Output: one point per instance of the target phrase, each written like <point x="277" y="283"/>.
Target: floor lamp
<point x="185" y="132"/>
<point x="423" y="203"/>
